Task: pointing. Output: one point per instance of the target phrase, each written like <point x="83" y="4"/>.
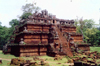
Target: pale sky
<point x="63" y="9"/>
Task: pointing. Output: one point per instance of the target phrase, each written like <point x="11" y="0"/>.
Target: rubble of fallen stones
<point x="22" y="62"/>
<point x="84" y="58"/>
<point x="57" y="57"/>
<point x="87" y="58"/>
<point x="36" y="58"/>
<point x="17" y="61"/>
<point x="43" y="63"/>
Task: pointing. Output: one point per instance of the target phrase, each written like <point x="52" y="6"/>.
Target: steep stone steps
<point x="63" y="41"/>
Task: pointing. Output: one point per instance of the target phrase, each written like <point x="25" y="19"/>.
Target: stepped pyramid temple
<point x="42" y="34"/>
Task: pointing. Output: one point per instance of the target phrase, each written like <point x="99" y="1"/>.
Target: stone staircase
<point x="65" y="47"/>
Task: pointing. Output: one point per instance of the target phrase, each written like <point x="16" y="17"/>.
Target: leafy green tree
<point x="5" y="32"/>
<point x="83" y="25"/>
<point x="30" y="8"/>
<point x="4" y="36"/>
<point x="89" y="23"/>
<point x="97" y="42"/>
<point x="90" y="35"/>
<point x="14" y="22"/>
<point x="98" y="28"/>
<point x="25" y="15"/>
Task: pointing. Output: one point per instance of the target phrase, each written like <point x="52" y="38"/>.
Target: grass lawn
<point x="5" y="63"/>
<point x="6" y="56"/>
<point x="95" y="49"/>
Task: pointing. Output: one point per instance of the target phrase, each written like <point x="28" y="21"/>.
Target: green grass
<point x="5" y="63"/>
<point x="50" y="60"/>
<point x="95" y="49"/>
<point x="6" y="56"/>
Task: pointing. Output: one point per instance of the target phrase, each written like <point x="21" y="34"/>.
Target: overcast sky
<point x="64" y="9"/>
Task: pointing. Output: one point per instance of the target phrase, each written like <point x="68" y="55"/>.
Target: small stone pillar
<point x="49" y="21"/>
<point x="21" y="42"/>
<point x="33" y="20"/>
<point x="56" y="35"/>
<point x="61" y="48"/>
<point x="25" y="29"/>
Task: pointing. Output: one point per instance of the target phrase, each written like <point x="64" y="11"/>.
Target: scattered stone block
<point x="59" y="63"/>
<point x="36" y="58"/>
<point x="17" y="61"/>
<point x="27" y="61"/>
<point x="84" y="59"/>
<point x="0" y="61"/>
<point x="70" y="61"/>
<point x="42" y="62"/>
<point x="58" y="57"/>
<point x="92" y="64"/>
<point x="34" y="64"/>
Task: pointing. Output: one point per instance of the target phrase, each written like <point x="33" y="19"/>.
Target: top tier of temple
<point x="45" y="17"/>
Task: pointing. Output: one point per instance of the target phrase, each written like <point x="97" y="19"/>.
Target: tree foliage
<point x="90" y="35"/>
<point x="5" y="32"/>
<point x="84" y="24"/>
<point x="14" y="22"/>
<point x="30" y="8"/>
<point x="0" y="23"/>
<point x="85" y="27"/>
<point x="97" y="38"/>
<point x="25" y="15"/>
<point x="4" y="35"/>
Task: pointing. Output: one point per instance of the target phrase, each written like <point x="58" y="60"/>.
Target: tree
<point x="90" y="35"/>
<point x="14" y="22"/>
<point x="97" y="38"/>
<point x="4" y="36"/>
<point x="98" y="28"/>
<point x="0" y="23"/>
<point x="30" y="8"/>
<point x="89" y="23"/>
<point x="5" y="32"/>
<point x="83" y="25"/>
<point x="25" y="15"/>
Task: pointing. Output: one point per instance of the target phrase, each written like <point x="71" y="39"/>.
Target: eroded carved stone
<point x="25" y="29"/>
<point x="21" y="42"/>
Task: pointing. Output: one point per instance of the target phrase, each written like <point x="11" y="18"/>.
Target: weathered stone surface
<point x="17" y="61"/>
<point x="57" y="57"/>
<point x="0" y="61"/>
<point x="35" y="31"/>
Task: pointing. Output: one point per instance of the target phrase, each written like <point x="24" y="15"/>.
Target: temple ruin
<point x="43" y="34"/>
